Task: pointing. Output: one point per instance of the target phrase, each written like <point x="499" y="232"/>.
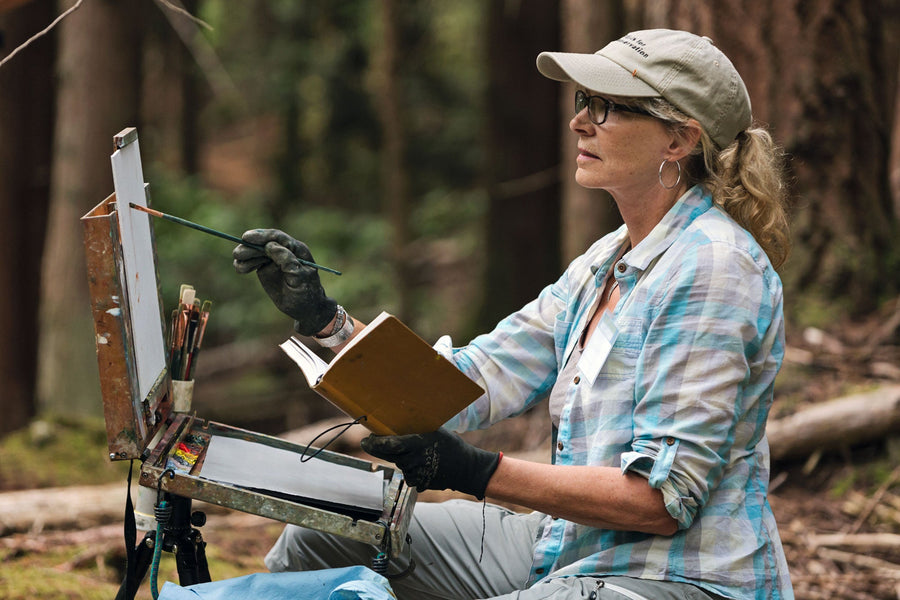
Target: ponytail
<point x="747" y="180"/>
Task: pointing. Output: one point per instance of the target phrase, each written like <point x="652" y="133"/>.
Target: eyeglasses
<point x="600" y="107"/>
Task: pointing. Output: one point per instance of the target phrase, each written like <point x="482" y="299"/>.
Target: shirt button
<point x="539" y="570"/>
<point x="577" y="380"/>
<point x="621" y="267"/>
<point x="670" y="441"/>
<point x="560" y="446"/>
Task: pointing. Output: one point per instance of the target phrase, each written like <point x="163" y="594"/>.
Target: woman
<point x="657" y="349"/>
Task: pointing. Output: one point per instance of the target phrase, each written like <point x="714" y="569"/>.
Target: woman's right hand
<point x="294" y="287"/>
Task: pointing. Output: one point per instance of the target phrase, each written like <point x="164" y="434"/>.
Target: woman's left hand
<point x="436" y="461"/>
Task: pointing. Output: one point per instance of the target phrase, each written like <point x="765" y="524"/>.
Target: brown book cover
<point x="391" y="376"/>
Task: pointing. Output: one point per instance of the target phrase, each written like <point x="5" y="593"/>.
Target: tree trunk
<point x="840" y="422"/>
<point x="170" y="78"/>
<point x="523" y="153"/>
<point x="26" y="130"/>
<point x="394" y="177"/>
<point x="98" y="97"/>
<point x="192" y="99"/>
<point x="586" y="214"/>
<point x="825" y="79"/>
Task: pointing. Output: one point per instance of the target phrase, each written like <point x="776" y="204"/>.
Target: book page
<point x="309" y="362"/>
<point x="265" y="468"/>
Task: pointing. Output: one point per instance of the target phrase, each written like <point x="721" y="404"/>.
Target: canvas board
<point x="139" y="265"/>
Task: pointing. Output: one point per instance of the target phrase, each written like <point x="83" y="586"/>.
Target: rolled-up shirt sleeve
<point x="708" y="362"/>
<point x="654" y="460"/>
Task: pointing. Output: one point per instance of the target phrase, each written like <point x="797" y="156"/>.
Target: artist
<point x="657" y="350"/>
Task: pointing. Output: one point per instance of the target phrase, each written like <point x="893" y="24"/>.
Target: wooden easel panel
<point x="131" y="419"/>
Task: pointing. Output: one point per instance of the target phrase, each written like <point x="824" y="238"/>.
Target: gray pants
<point x="446" y="546"/>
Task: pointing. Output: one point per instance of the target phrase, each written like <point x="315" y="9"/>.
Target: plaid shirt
<point x="682" y="399"/>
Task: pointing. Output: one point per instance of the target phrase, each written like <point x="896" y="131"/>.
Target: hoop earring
<point x="677" y="181"/>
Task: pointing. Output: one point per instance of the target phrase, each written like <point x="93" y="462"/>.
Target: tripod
<point x="180" y="537"/>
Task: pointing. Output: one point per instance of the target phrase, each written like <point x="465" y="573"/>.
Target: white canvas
<point x="253" y="465"/>
<point x="140" y="272"/>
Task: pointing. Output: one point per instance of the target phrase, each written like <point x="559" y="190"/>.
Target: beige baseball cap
<point x="685" y="69"/>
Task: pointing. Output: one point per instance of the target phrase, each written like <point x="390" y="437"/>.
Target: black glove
<point x="436" y="461"/>
<point x="293" y="287"/>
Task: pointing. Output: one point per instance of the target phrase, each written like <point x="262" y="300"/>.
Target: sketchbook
<point x="390" y="376"/>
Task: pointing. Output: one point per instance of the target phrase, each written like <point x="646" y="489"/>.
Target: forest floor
<point x="838" y="511"/>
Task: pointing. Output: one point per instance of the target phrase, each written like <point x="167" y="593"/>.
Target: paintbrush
<point x="216" y="233"/>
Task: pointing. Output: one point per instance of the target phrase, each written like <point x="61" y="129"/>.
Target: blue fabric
<point x="350" y="583"/>
<point x="682" y="398"/>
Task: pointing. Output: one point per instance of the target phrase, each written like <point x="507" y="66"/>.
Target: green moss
<point x="43" y="575"/>
<point x="58" y="452"/>
<point x="842" y="485"/>
<point x="813" y="310"/>
<point x="82" y="573"/>
<point x="867" y="477"/>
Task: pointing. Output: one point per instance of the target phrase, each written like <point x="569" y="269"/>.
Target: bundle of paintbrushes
<point x="186" y="333"/>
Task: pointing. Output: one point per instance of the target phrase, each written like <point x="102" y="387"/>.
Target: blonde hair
<point x="746" y="178"/>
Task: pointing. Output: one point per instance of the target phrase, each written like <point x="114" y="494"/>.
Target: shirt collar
<point x="608" y="253"/>
<point x="691" y="205"/>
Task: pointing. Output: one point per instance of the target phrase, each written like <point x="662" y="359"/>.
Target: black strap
<point x="130" y="540"/>
<point x="483" y="527"/>
<point x="409" y="568"/>
<point x="346" y="426"/>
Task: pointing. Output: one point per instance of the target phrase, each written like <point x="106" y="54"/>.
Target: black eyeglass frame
<point x="583" y="100"/>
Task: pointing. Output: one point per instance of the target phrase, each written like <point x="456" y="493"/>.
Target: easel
<point x="138" y="399"/>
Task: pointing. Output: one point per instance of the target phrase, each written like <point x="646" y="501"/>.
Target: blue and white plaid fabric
<point x="682" y="398"/>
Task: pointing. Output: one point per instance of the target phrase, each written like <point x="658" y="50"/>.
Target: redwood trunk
<point x="26" y="129"/>
<point x="98" y="69"/>
<point x="523" y="155"/>
<point x="587" y="214"/>
<point x="824" y="76"/>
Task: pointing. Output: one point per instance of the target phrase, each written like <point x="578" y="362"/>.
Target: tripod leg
<point x="143" y="556"/>
<point x="202" y="565"/>
<point x="190" y="559"/>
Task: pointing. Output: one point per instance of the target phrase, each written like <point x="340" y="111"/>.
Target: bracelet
<point x="340" y="333"/>
<point x="340" y="315"/>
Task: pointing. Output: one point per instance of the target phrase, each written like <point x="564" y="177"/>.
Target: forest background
<point x="414" y="146"/>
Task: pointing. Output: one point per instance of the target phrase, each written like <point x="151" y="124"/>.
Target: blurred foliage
<point x="82" y="573"/>
<point x="352" y="243"/>
<point x="309" y="66"/>
<point x="312" y="65"/>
